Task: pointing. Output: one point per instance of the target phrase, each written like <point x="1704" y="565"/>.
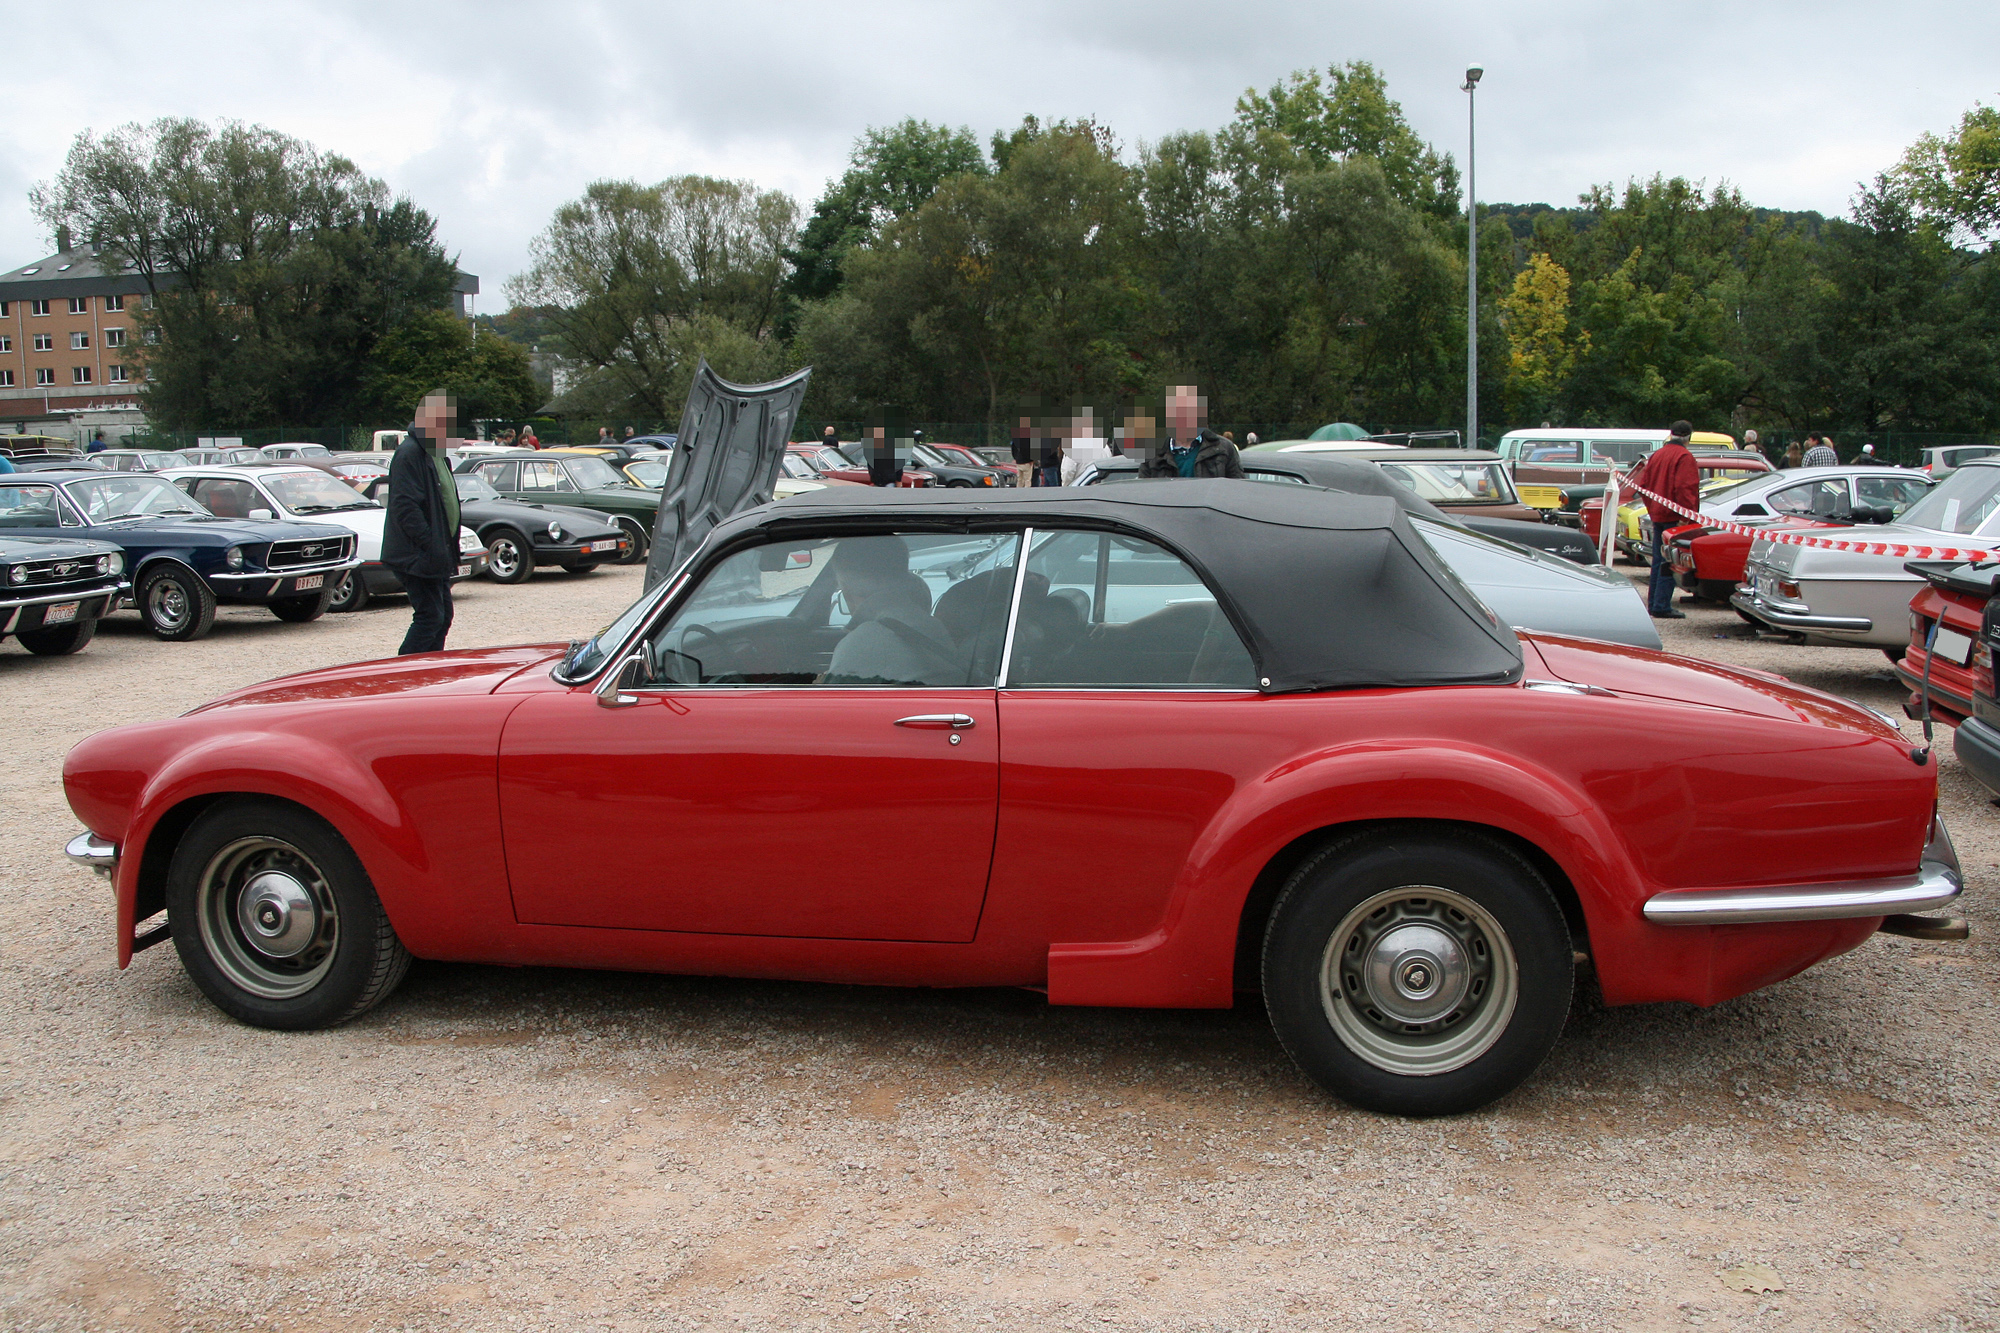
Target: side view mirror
<point x="631" y="673"/>
<point x="260" y="513"/>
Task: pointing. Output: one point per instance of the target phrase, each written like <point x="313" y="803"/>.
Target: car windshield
<point x="1441" y="482"/>
<point x="28" y="507"/>
<point x="935" y="457"/>
<point x="474" y="487"/>
<point x="130" y="495"/>
<point x="592" y="473"/>
<point x="313" y="492"/>
<point x="1961" y="503"/>
<point x="649" y="472"/>
<point x="796" y="468"/>
<point x="159" y="460"/>
<point x="1733" y="487"/>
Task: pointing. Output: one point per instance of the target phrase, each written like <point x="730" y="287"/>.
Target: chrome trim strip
<point x="1936" y="883"/>
<point x="1756" y="606"/>
<point x="1014" y="607"/>
<point x="87" y="849"/>
<point x="74" y="595"/>
<point x="290" y="571"/>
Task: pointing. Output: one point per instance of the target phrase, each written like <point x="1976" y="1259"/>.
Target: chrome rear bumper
<point x="1936" y="884"/>
<point x="87" y="849"/>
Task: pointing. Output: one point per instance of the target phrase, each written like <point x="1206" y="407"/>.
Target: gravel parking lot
<point x="516" y="1149"/>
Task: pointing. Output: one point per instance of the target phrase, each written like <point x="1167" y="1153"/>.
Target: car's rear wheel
<point x="59" y="641"/>
<point x="275" y="919"/>
<point x="175" y="603"/>
<point x="964" y="485"/>
<point x="304" y="607"/>
<point x="1417" y="973"/>
<point x="509" y="557"/>
<point x="350" y="593"/>
<point x="637" y="542"/>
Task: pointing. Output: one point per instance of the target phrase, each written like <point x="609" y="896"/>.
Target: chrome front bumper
<point x="1937" y="883"/>
<point x="87" y="849"/>
<point x="289" y="572"/>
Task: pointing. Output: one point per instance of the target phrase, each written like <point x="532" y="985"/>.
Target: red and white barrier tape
<point x="1791" y="537"/>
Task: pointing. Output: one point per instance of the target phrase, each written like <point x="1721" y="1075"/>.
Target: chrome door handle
<point x="936" y="721"/>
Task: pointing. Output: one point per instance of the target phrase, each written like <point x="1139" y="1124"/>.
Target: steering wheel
<point x="689" y="634"/>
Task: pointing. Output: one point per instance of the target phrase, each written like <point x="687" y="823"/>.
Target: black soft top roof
<point x="1328" y="590"/>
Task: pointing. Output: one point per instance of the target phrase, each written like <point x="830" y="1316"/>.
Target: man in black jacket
<point x="1192" y="450"/>
<point x="420" y="535"/>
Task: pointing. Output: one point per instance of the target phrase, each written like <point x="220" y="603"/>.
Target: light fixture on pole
<point x="1471" y="266"/>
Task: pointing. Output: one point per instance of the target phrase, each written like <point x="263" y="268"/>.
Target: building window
<point x="79" y="305"/>
<point x="79" y="375"/>
<point x="3" y="308"/>
<point x="118" y="375"/>
<point x="38" y="307"/>
<point x="6" y="343"/>
<point x="45" y="376"/>
<point x="45" y="342"/>
<point x="6" y="379"/>
<point x="152" y="335"/>
<point x="114" y="303"/>
<point x="79" y="342"/>
<point x="114" y="337"/>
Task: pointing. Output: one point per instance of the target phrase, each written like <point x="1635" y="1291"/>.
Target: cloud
<point x="491" y="115"/>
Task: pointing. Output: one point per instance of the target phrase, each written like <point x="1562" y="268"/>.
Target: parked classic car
<point x="138" y="460"/>
<point x="1525" y="586"/>
<point x="1947" y="663"/>
<point x="827" y="461"/>
<point x="1941" y="462"/>
<point x="302" y="491"/>
<point x="1458" y="481"/>
<point x="290" y="453"/>
<point x="954" y="467"/>
<point x="181" y="559"/>
<point x="795" y="475"/>
<point x="53" y="589"/>
<point x="993" y="460"/>
<point x="1547" y="460"/>
<point x="584" y="481"/>
<point x="1862" y="598"/>
<point x="1202" y="790"/>
<point x="520" y="538"/>
<point x="1709" y="562"/>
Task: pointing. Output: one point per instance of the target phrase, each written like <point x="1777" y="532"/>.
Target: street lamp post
<point x="1471" y="267"/>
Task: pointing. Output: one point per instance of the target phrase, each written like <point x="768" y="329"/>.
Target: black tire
<point x="1462" y="934"/>
<point x="337" y="957"/>
<point x="963" y="485"/>
<point x="1745" y="616"/>
<point x="581" y="567"/>
<point x="639" y="541"/>
<point x="175" y="603"/>
<point x="307" y="606"/>
<point x="59" y="641"/>
<point x="1895" y="654"/>
<point x="350" y="593"/>
<point x="1715" y="590"/>
<point x="510" y="556"/>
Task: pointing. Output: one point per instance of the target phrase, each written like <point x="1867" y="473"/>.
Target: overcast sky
<point x="491" y="115"/>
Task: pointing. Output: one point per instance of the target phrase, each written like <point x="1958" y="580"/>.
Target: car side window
<point x="500" y="475"/>
<point x="1821" y="499"/>
<point x="1892" y="493"/>
<point x="906" y="610"/>
<point x="1281" y="477"/>
<point x="544" y="475"/>
<point x="225" y="498"/>
<point x="1105" y="611"/>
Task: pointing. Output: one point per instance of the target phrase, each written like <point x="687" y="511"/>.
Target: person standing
<point x="1820" y="452"/>
<point x="97" y="444"/>
<point x="1795" y="455"/>
<point x="420" y="535"/>
<point x="1867" y="458"/>
<point x="1670" y="472"/>
<point x="1192" y="450"/>
<point x="527" y="439"/>
<point x="1750" y="442"/>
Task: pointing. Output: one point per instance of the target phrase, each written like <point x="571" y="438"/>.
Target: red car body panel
<point x="842" y="470"/>
<point x="1719" y="557"/>
<point x="1951" y="684"/>
<point x="1100" y="843"/>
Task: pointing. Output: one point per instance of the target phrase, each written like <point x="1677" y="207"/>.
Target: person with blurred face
<point x="1191" y="449"/>
<point x="420" y="535"/>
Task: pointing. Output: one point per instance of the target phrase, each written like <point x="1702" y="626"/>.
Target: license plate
<point x="308" y="582"/>
<point x="1952" y="646"/>
<point x="465" y="571"/>
<point x="60" y="615"/>
<point x="608" y="545"/>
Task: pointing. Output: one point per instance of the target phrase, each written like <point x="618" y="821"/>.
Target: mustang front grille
<point x="314" y="551"/>
<point x="43" y="574"/>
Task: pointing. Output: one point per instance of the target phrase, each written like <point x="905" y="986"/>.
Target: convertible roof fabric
<point x="1330" y="591"/>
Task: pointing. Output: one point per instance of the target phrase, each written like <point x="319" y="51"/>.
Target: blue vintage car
<point x="54" y="589"/>
<point x="182" y="559"/>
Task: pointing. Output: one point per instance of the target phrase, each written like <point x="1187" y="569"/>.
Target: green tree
<point x="638" y="278"/>
<point x="1541" y="351"/>
<point x="436" y="349"/>
<point x="274" y="269"/>
<point x="1955" y="179"/>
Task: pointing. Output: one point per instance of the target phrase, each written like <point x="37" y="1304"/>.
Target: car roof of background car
<point x="1355" y="476"/>
<point x="1363" y="600"/>
<point x="1395" y="453"/>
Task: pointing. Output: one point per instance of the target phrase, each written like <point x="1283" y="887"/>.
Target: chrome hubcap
<point x="504" y="557"/>
<point x="167" y="602"/>
<point x="267" y="917"/>
<point x="1419" y="980"/>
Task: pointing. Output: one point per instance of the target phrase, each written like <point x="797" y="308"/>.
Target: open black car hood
<point x="731" y="443"/>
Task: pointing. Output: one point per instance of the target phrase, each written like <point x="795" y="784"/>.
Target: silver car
<point x="1860" y="598"/>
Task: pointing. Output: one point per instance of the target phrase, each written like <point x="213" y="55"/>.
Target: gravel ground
<point x="515" y="1149"/>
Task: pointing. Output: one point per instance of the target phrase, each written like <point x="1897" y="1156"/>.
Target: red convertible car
<point x="1150" y="774"/>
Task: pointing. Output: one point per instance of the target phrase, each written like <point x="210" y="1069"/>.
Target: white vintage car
<point x="1862" y="598"/>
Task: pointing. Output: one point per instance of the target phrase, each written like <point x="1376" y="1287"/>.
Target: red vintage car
<point x="1147" y="774"/>
<point x="1708" y="562"/>
<point x="1948" y="662"/>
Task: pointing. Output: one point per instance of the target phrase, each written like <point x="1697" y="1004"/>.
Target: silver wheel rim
<point x="267" y="917"/>
<point x="167" y="603"/>
<point x="504" y="558"/>
<point x="343" y="591"/>
<point x="1419" y="980"/>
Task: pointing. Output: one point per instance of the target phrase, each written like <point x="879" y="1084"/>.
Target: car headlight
<point x="18" y="574"/>
<point x="104" y="564"/>
<point x="555" y="532"/>
<point x="117" y="562"/>
<point x="233" y="557"/>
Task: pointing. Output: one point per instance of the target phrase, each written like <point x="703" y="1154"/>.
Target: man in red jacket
<point x="1669" y="471"/>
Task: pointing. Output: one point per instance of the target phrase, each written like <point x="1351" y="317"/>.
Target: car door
<point x="763" y="779"/>
<point x="544" y="479"/>
<point x="502" y="475"/>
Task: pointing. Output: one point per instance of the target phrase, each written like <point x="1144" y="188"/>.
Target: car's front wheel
<point x="59" y="641"/>
<point x="637" y="542"/>
<point x="275" y="919"/>
<point x="350" y="593"/>
<point x="1425" y="972"/>
<point x="509" y="557"/>
<point x="175" y="603"/>
<point x="305" y="607"/>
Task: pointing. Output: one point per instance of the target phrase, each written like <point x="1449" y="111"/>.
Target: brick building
<point x="69" y="333"/>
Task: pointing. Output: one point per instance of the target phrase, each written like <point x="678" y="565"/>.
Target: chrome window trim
<point x="1014" y="607"/>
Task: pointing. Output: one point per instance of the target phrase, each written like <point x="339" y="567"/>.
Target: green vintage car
<point x="585" y="481"/>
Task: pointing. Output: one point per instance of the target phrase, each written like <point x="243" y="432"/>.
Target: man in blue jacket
<point x="420" y="534"/>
